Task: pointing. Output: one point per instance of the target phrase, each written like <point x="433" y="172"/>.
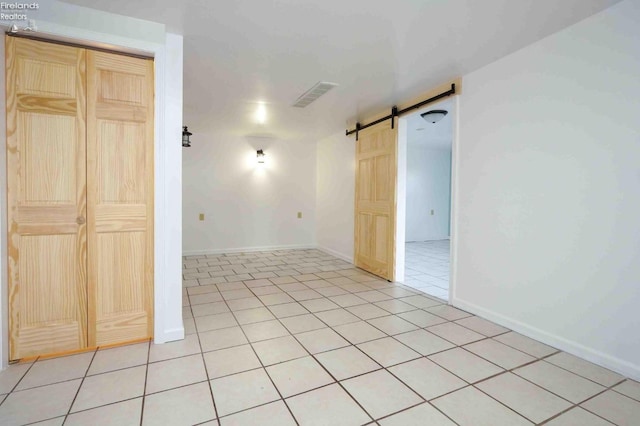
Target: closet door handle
<point x="80" y="220"/>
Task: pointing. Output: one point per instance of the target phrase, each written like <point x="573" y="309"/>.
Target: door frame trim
<point x="401" y="194"/>
<point x="168" y="324"/>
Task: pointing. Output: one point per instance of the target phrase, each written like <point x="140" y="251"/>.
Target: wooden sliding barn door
<point x="120" y="197"/>
<point x="80" y="197"/>
<point x="375" y="209"/>
<point x="46" y="194"/>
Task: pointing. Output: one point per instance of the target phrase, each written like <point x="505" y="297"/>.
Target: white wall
<point x="99" y="28"/>
<point x="428" y="188"/>
<point x="335" y="195"/>
<point x="549" y="190"/>
<point x="168" y="199"/>
<point x="246" y="206"/>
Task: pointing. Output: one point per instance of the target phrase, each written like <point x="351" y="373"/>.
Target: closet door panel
<point x="46" y="165"/>
<point x="120" y="185"/>
<point x="121" y="310"/>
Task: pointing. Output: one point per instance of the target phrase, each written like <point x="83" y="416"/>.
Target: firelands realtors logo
<point x="16" y="11"/>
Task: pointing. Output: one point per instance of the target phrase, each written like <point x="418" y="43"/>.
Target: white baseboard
<point x="247" y="249"/>
<point x="623" y="367"/>
<point x="170" y="335"/>
<point x="426" y="240"/>
<point x="327" y="250"/>
<point x="336" y="254"/>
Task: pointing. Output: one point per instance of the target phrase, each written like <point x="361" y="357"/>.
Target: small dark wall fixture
<point x="186" y="143"/>
<point x="260" y="156"/>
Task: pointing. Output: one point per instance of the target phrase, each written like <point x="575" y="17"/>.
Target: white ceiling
<point x="241" y="52"/>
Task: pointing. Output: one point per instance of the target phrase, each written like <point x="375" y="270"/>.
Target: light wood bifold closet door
<point x="120" y="197"/>
<point x="375" y="209"/>
<point x="46" y="163"/>
<point x="80" y="197"/>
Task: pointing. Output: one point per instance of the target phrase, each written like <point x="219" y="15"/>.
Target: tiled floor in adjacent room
<point x="300" y="337"/>
<point x="426" y="267"/>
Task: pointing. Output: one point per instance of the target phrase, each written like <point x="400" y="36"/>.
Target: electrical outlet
<point x="201" y="216"/>
<point x="432" y="211"/>
<point x="299" y="215"/>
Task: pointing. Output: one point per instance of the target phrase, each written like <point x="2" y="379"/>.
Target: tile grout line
<point x="262" y="365"/>
<point x="79" y="387"/>
<point x="417" y="405"/>
<point x="424" y="400"/>
<point x="351" y="344"/>
<point x="505" y="371"/>
<point x="13" y="389"/>
<point x="345" y="271"/>
<point x="389" y="314"/>
<point x="386" y="335"/>
<point x="387" y="369"/>
<point x="208" y="381"/>
<point x="536" y="359"/>
<point x="620" y="393"/>
<point x="421" y="356"/>
<point x="456" y="346"/>
<point x="335" y="381"/>
<point x="94" y="375"/>
<point x="579" y="404"/>
<point x="144" y="389"/>
<point x="578" y="374"/>
<point x="87" y="375"/>
<point x="572" y="404"/>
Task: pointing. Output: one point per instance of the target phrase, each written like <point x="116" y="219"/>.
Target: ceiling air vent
<point x="319" y="89"/>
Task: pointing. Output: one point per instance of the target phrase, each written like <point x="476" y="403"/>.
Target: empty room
<point x="303" y="212"/>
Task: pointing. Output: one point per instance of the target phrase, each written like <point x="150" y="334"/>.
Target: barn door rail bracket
<point x="396" y="113"/>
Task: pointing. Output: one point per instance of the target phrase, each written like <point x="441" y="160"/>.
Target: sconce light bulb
<point x="261" y="114"/>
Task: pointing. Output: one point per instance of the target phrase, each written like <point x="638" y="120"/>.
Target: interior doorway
<point x="425" y="183"/>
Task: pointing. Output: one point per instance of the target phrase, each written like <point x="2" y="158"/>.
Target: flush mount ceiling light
<point x="186" y="143"/>
<point x="261" y="113"/>
<point x="434" y="115"/>
<point x="319" y="89"/>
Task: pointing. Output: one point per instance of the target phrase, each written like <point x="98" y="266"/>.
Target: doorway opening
<point x="425" y="209"/>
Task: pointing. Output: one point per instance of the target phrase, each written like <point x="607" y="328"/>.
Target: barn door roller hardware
<point x="396" y="113"/>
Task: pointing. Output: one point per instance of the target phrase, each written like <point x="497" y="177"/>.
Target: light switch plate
<point x="201" y="216"/>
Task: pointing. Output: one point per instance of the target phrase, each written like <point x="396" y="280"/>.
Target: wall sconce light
<point x="260" y="156"/>
<point x="434" y="115"/>
<point x="186" y="143"/>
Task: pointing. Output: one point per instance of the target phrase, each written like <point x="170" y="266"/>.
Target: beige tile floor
<point x="426" y="267"/>
<point x="300" y="337"/>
